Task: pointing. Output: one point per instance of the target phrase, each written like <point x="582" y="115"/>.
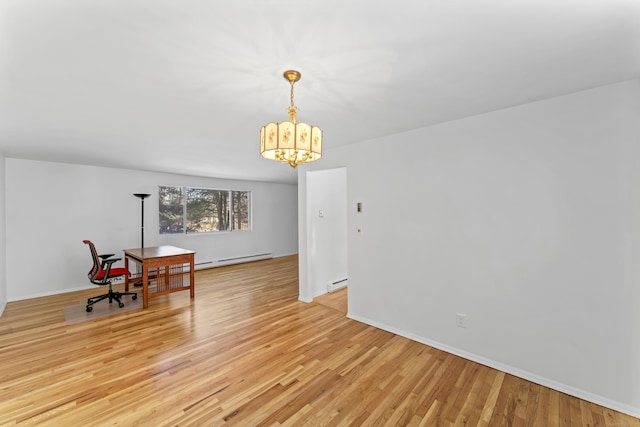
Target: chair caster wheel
<point x="89" y="308"/>
<point x="120" y="304"/>
<point x="134" y="297"/>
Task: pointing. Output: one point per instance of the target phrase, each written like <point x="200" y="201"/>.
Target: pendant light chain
<point x="292" y="107"/>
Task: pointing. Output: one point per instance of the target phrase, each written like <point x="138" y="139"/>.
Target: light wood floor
<point x="247" y="352"/>
<point x="336" y="300"/>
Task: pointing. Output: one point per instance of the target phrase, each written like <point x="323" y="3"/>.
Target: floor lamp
<point x="141" y="196"/>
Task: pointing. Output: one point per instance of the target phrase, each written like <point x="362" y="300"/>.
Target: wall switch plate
<point x="461" y="320"/>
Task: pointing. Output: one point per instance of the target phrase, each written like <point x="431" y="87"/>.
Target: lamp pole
<point x="142" y="196"/>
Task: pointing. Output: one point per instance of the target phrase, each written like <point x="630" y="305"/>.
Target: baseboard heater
<point x="232" y="260"/>
<point x="339" y="284"/>
<point x="199" y="264"/>
<point x="246" y="258"/>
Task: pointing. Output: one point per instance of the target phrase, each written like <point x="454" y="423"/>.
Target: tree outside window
<point x="240" y="210"/>
<point x="205" y="210"/>
<point x="171" y="210"/>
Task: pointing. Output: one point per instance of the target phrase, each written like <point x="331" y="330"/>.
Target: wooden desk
<point x="167" y="266"/>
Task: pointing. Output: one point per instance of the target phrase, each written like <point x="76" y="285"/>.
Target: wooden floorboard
<point x="246" y="352"/>
<point x="336" y="300"/>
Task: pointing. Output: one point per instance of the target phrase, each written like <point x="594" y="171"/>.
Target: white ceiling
<point x="184" y="86"/>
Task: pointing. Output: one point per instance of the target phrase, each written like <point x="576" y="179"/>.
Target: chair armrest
<point x="109" y="261"/>
<point x="106" y="266"/>
<point x="105" y="256"/>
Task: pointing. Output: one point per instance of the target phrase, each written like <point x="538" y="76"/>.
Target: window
<point x="171" y="210"/>
<point x="202" y="210"/>
<point x="240" y="210"/>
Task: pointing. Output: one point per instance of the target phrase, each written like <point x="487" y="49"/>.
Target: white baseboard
<point x="55" y="292"/>
<point x="564" y="388"/>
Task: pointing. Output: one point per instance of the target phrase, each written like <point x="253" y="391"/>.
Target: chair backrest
<point x="97" y="267"/>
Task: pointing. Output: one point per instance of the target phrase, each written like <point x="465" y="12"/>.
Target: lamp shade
<point x="292" y="143"/>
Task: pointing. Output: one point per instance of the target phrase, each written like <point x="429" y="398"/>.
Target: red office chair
<point x="101" y="274"/>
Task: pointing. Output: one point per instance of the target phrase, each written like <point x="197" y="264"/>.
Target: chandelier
<point x="291" y="141"/>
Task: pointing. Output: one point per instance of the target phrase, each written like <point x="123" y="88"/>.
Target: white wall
<point x="326" y="242"/>
<point x="3" y="268"/>
<point x="527" y="220"/>
<point x="52" y="207"/>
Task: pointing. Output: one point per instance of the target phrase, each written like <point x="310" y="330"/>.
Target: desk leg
<point x="126" y="276"/>
<point x="166" y="271"/>
<point x="145" y="285"/>
<point x="192" y="283"/>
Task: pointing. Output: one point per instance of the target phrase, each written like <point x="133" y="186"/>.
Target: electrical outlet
<point x="461" y="320"/>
